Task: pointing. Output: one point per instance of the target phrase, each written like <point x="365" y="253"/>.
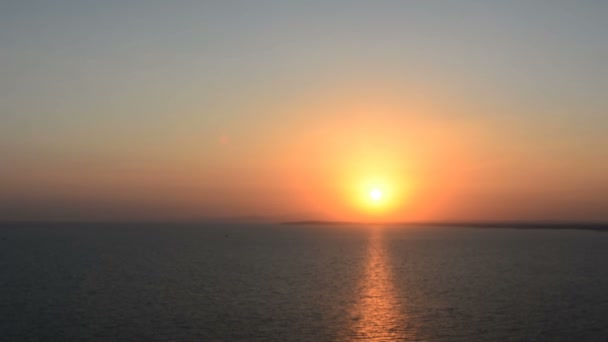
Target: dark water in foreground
<point x="290" y="283"/>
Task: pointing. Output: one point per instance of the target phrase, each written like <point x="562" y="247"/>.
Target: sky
<point x="189" y="110"/>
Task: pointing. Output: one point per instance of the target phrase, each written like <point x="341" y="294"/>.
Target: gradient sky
<point x="151" y="110"/>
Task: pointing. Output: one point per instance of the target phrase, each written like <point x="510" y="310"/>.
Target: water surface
<point x="308" y="283"/>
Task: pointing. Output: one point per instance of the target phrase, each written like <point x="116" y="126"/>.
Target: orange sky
<point x="154" y="112"/>
<point x="317" y="157"/>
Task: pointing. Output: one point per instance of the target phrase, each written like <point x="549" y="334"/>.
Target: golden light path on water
<point x="380" y="315"/>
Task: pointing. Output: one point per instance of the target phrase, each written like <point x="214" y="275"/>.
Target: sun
<point x="375" y="194"/>
<point x="376" y="197"/>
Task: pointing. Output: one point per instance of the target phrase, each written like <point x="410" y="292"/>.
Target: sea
<point x="273" y="282"/>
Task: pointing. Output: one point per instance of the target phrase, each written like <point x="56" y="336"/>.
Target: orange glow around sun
<point x="375" y="156"/>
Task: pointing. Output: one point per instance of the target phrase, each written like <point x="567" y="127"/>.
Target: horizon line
<point x="540" y="223"/>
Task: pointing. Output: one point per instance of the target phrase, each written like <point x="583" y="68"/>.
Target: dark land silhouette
<point x="597" y="226"/>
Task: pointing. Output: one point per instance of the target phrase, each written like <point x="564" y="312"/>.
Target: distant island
<point x="597" y="226"/>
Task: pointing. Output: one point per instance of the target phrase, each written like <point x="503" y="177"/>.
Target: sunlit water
<point x="308" y="283"/>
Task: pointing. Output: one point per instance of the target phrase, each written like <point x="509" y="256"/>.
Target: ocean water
<point x="161" y="282"/>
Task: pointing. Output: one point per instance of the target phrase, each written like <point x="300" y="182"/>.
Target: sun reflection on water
<point x="379" y="315"/>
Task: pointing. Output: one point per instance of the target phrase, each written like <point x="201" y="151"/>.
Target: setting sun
<point x="375" y="194"/>
<point x="379" y="198"/>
